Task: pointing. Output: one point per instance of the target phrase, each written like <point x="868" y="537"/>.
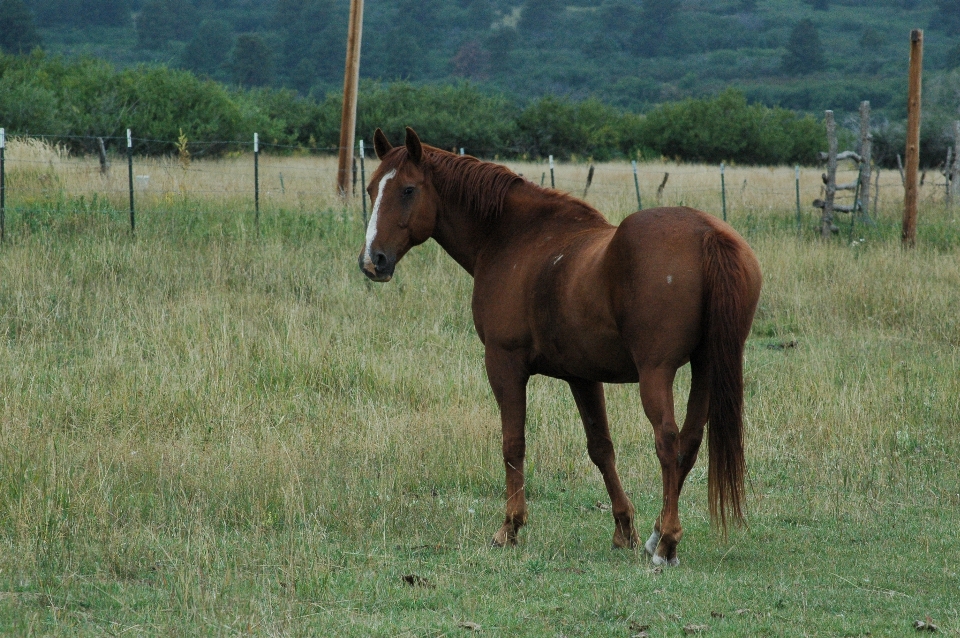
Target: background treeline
<point x="80" y="99"/>
<point x="805" y="55"/>
<point x="76" y="100"/>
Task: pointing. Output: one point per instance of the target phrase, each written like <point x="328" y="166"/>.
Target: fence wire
<point x="42" y="177"/>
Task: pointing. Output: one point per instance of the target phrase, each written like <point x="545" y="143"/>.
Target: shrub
<point x="726" y="128"/>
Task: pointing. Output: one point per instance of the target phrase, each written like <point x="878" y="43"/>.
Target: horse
<point x="559" y="291"/>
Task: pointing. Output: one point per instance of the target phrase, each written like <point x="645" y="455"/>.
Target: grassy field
<point x="206" y="431"/>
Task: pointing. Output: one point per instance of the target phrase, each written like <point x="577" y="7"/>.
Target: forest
<point x="631" y="56"/>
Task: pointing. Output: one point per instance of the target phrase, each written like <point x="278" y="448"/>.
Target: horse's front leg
<point x="508" y="378"/>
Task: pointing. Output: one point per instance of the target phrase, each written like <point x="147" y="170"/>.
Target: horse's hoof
<point x="625" y="542"/>
<point x="504" y="538"/>
<point x="660" y="561"/>
<point x="651" y="545"/>
<point x="651" y="548"/>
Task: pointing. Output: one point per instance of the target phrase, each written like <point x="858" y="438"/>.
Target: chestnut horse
<point x="559" y="291"/>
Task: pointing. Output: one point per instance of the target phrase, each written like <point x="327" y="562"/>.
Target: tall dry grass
<point x="37" y="170"/>
<point x="188" y="419"/>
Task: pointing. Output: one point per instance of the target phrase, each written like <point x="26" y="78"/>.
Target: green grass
<point x="207" y="432"/>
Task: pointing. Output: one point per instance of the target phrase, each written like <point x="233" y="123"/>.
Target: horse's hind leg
<point x="593" y="412"/>
<point x="698" y="405"/>
<point x="656" y="393"/>
<point x="690" y="437"/>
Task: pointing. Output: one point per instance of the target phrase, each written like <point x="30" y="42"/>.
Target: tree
<point x="113" y="13"/>
<point x="313" y="33"/>
<point x="539" y="16"/>
<point x="163" y="20"/>
<point x="251" y="62"/>
<point x="804" y="51"/>
<point x="611" y="31"/>
<point x="471" y="61"/>
<point x="207" y="52"/>
<point x="18" y="33"/>
<point x="871" y="39"/>
<point x="480" y="14"/>
<point x="953" y="57"/>
<point x="655" y="18"/>
<point x="947" y="16"/>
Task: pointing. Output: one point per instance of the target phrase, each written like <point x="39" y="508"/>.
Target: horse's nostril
<point x="379" y="261"/>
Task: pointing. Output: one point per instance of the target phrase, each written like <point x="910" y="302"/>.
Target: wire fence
<point x="39" y="175"/>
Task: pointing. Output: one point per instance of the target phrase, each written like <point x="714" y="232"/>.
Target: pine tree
<point x="650" y="36"/>
<point x="539" y="16"/>
<point x="947" y="16"/>
<point x="18" y="33"/>
<point x="207" y="52"/>
<point x="251" y="62"/>
<point x="164" y="20"/>
<point x="804" y="51"/>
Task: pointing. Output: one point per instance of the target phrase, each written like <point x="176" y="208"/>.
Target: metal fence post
<point x="133" y="224"/>
<point x="553" y="184"/>
<point x="256" y="181"/>
<point x="363" y="186"/>
<point x="796" y="176"/>
<point x="3" y="187"/>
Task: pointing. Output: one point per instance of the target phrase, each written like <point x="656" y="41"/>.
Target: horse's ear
<point x="380" y="144"/>
<point x="414" y="148"/>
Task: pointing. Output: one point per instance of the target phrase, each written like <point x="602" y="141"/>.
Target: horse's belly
<point x="596" y="358"/>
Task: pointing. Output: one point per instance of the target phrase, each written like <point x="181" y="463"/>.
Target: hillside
<point x="628" y="53"/>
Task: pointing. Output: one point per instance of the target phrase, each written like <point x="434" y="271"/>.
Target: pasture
<point x="203" y="431"/>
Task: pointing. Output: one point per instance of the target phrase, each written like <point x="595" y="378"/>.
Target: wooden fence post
<point x="104" y="162"/>
<point x="3" y="187"/>
<point x="946" y="173"/>
<point x="636" y="185"/>
<point x="830" y="178"/>
<point x="660" y="188"/>
<point x="909" y="234"/>
<point x="828" y="204"/>
<point x="723" y="191"/>
<point x="553" y="183"/>
<point x="866" y="150"/>
<point x="589" y="181"/>
<point x="955" y="171"/>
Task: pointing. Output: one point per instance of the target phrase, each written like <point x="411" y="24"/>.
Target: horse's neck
<point x="527" y="209"/>
<point x="461" y="236"/>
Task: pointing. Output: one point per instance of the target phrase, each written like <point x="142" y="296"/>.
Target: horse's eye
<point x="408" y="191"/>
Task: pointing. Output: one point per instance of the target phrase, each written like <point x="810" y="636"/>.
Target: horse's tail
<point x="729" y="307"/>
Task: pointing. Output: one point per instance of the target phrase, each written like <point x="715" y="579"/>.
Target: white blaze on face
<point x="372" y="227"/>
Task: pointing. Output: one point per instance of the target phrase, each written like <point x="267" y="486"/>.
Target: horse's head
<point x="404" y="205"/>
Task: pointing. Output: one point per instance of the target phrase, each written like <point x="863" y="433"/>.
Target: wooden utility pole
<point x="909" y="234"/>
<point x="351" y="77"/>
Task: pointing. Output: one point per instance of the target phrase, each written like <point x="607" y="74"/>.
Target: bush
<point x="726" y="128"/>
<point x="559" y="127"/>
<point x="448" y="116"/>
<point x="85" y="98"/>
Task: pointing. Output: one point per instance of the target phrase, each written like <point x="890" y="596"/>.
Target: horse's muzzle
<point x="380" y="267"/>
